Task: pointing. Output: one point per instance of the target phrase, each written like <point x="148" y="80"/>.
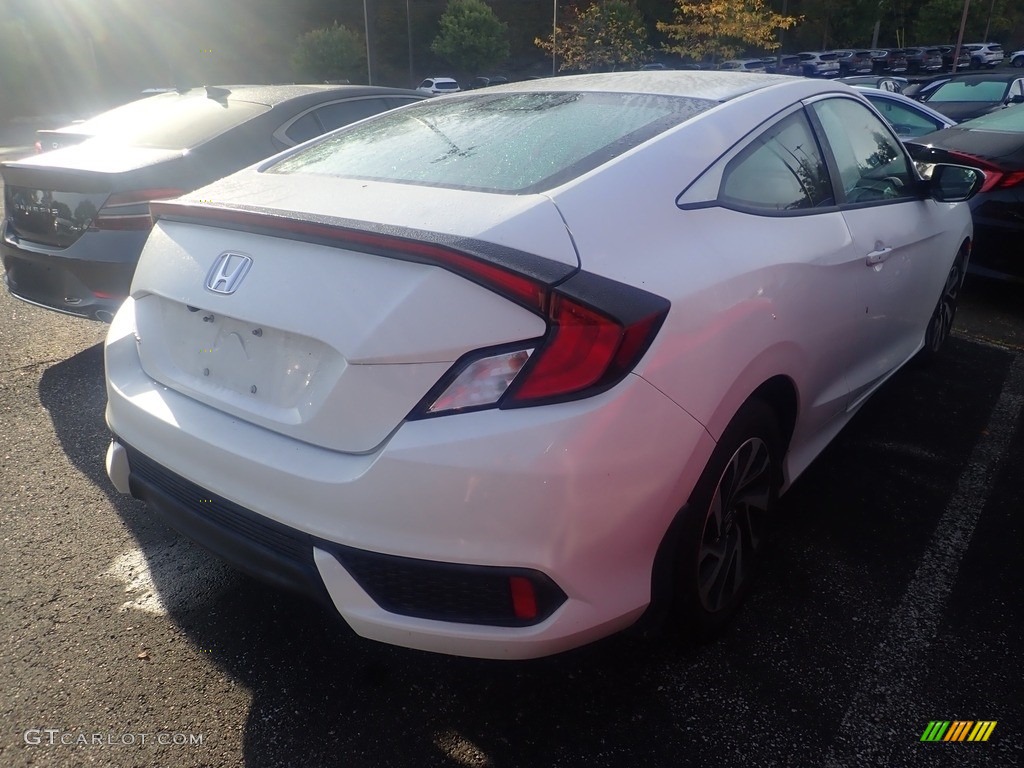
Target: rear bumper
<point x="89" y="278"/>
<point x="580" y="494"/>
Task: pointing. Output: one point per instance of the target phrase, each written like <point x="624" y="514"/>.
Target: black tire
<point x="941" y="323"/>
<point x="1018" y="62"/>
<point x="976" y="63"/>
<point x="726" y="519"/>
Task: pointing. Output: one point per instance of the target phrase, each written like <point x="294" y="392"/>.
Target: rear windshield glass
<point x="1010" y="120"/>
<point x="169" y="121"/>
<point x="510" y="143"/>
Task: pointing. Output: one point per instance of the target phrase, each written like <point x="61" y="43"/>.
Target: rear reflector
<point x="524" y="600"/>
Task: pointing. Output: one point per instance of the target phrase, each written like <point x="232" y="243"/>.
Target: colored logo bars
<point x="958" y="730"/>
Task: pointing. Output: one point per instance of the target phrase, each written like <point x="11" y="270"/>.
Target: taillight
<point x="995" y="177"/>
<point x="1002" y="180"/>
<point x="130" y="210"/>
<point x="597" y="329"/>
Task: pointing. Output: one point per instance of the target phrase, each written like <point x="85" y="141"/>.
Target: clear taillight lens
<point x="482" y="382"/>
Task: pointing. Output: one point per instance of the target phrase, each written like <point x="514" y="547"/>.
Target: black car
<point x="963" y="61"/>
<point x="889" y="62"/>
<point x="995" y="144"/>
<point x="77" y="217"/>
<point x="854" y="62"/>
<point x="963" y="97"/>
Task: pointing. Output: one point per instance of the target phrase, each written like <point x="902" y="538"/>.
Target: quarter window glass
<point x="303" y="129"/>
<point x="872" y="164"/>
<point x="344" y="112"/>
<point x="781" y="170"/>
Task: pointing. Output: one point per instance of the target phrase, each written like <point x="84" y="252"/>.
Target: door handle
<point x="878" y="256"/>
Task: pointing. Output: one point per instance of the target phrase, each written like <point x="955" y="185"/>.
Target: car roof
<point x="272" y="95"/>
<point x="981" y="77"/>
<point x="714" y="85"/>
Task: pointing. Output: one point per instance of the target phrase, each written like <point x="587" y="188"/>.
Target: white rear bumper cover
<point x="582" y="492"/>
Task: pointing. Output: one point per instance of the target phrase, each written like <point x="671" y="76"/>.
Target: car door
<point x="894" y="231"/>
<point x="770" y="202"/>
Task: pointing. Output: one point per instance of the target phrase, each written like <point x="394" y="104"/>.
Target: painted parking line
<point x="893" y="674"/>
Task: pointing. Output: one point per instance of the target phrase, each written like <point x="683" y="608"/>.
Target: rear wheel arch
<point x="774" y="402"/>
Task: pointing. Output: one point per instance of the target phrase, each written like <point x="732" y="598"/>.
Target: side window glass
<point x="905" y="121"/>
<point x="344" y="112"/>
<point x="780" y="170"/>
<point x="303" y="129"/>
<point x="872" y="164"/>
<point x="1017" y="89"/>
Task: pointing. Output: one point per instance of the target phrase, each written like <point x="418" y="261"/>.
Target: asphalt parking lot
<point x="892" y="597"/>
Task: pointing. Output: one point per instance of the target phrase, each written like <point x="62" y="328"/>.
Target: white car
<point x="494" y="394"/>
<point x="434" y="86"/>
<point x="985" y="54"/>
<point x="1017" y="59"/>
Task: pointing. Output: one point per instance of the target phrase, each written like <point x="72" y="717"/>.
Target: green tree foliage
<point x="606" y="35"/>
<point x="940" y="20"/>
<point x="724" y="28"/>
<point x="472" y="37"/>
<point x="330" y="53"/>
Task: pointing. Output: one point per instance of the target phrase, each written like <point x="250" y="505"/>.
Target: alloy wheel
<point x="733" y="529"/>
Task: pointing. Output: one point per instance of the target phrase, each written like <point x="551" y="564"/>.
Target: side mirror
<point x="1016" y="99"/>
<point x="954" y="183"/>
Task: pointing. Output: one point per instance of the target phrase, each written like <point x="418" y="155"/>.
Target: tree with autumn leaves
<point x="724" y="28"/>
<point x="605" y="36"/>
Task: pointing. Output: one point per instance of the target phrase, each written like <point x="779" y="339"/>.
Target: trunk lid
<point x="51" y="199"/>
<point x="327" y="340"/>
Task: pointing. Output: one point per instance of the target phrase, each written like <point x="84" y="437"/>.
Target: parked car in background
<point x="920" y="89"/>
<point x="743" y="65"/>
<point x="889" y="62"/>
<point x="76" y="218"/>
<point x="963" y="61"/>
<point x="963" y="97"/>
<point x="491" y="393"/>
<point x="854" y="62"/>
<point x="1017" y="59"/>
<point x="787" y="65"/>
<point x="983" y="55"/>
<point x="485" y="81"/>
<point x="995" y="144"/>
<point x="907" y="117"/>
<point x="881" y="82"/>
<point x="819" y="64"/>
<point x="652" y="67"/>
<point x="435" y="86"/>
<point x="922" y="60"/>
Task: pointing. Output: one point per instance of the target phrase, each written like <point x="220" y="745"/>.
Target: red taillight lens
<point x="1002" y="180"/>
<point x="130" y="210"/>
<point x="995" y="177"/>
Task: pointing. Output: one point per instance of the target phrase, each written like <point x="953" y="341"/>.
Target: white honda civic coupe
<point x="497" y="374"/>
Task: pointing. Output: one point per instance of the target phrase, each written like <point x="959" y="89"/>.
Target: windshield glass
<point x="967" y="90"/>
<point x="511" y="142"/>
